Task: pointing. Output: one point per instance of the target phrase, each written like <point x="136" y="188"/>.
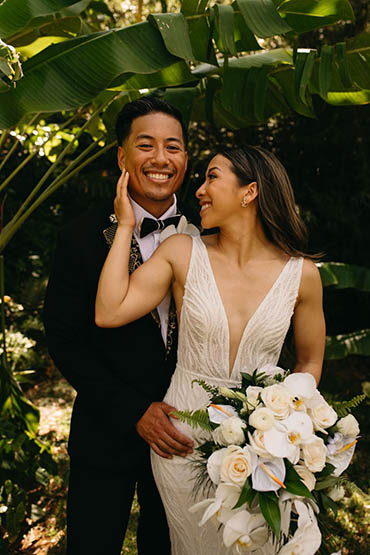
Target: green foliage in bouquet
<point x="342" y="408"/>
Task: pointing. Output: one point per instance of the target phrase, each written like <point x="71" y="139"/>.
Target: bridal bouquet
<point x="273" y="460"/>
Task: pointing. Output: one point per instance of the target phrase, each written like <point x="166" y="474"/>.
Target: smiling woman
<point x="236" y="293"/>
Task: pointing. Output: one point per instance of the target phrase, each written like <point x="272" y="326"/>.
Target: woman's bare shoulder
<point x="177" y="245"/>
<point x="311" y="279"/>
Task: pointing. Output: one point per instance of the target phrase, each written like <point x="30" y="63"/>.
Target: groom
<point x="121" y="374"/>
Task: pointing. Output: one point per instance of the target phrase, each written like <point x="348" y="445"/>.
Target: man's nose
<point x="160" y="156"/>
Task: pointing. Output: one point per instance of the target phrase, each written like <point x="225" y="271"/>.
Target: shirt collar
<point x="140" y="212"/>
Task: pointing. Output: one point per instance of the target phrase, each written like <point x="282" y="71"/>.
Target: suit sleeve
<point x="69" y="319"/>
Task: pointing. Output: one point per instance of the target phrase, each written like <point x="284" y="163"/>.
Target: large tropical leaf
<point x="18" y="14"/>
<point x="306" y="15"/>
<point x="345" y="77"/>
<point x="344" y="276"/>
<point x="262" y="18"/>
<point x="341" y="346"/>
<point x="72" y="73"/>
<point x="249" y="88"/>
<point x="67" y="27"/>
<point x="174" y="31"/>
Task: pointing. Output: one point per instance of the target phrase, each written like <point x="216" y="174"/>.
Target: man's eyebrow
<point x="144" y="136"/>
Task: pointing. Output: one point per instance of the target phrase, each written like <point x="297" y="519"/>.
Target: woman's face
<point x="220" y="195"/>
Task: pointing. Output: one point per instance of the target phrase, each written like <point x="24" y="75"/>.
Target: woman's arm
<point x="122" y="298"/>
<point x="309" y="323"/>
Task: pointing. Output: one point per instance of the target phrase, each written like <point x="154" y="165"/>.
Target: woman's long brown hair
<point x="277" y="209"/>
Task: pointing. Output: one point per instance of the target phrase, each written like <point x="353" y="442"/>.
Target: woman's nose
<point x="201" y="190"/>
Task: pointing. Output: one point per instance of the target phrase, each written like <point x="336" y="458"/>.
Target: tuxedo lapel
<point x="135" y="259"/>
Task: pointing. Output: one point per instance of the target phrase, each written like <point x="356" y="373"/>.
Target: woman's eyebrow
<point x="213" y="168"/>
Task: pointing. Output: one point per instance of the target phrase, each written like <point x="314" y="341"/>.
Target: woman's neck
<point x="244" y="241"/>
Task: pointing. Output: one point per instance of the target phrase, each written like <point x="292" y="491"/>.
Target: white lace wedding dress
<point x="203" y="353"/>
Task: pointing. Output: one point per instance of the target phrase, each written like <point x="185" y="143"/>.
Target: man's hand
<point x="156" y="429"/>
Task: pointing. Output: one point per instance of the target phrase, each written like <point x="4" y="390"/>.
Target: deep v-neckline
<point x="247" y="325"/>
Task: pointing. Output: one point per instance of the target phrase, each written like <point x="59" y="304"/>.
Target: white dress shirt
<point x="148" y="245"/>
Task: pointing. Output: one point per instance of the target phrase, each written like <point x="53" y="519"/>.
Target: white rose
<point x="214" y="464"/>
<point x="336" y="493"/>
<point x="257" y="443"/>
<point x="237" y="465"/>
<point x="252" y="393"/>
<point x="277" y="398"/>
<point x="314" y="454"/>
<point x="348" y="426"/>
<point x="230" y="431"/>
<point x="323" y="416"/>
<point x="262" y="419"/>
<point x="308" y="478"/>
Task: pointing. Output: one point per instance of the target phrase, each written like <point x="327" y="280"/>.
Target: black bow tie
<point x="148" y="225"/>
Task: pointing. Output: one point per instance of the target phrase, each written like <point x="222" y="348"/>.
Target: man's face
<point x="154" y="155"/>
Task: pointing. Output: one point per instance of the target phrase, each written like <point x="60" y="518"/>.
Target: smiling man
<point x="120" y="374"/>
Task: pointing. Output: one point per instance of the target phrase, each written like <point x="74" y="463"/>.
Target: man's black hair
<point x="142" y="107"/>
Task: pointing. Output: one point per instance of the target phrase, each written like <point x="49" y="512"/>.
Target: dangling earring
<point x="244" y="202"/>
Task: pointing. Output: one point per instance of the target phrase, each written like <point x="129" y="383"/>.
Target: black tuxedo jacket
<point x="117" y="373"/>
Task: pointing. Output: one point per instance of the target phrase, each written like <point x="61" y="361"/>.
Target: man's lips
<point x="158" y="176"/>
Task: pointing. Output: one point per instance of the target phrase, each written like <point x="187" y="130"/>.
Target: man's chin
<point x="153" y="197"/>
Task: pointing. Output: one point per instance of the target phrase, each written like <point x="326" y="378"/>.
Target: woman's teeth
<point x="204" y="206"/>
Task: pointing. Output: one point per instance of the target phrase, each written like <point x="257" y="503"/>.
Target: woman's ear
<point x="250" y="192"/>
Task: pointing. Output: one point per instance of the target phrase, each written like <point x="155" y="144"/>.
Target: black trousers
<point x="99" y="505"/>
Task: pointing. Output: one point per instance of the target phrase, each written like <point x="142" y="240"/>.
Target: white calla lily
<point x="269" y="475"/>
<point x="219" y="413"/>
<point x="339" y="452"/>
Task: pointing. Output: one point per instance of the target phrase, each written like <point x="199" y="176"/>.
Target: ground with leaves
<point x="45" y="533"/>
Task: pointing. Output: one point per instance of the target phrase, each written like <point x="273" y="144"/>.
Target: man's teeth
<point x="158" y="176"/>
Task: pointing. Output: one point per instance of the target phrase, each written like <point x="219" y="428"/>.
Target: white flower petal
<point x="262" y="481"/>
<point x="301" y="384"/>
<point x="219" y="413"/>
<point x="214" y="464"/>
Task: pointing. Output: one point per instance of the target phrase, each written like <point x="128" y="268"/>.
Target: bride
<point x="236" y="293"/>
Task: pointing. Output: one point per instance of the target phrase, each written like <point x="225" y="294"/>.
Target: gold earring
<point x="244" y="202"/>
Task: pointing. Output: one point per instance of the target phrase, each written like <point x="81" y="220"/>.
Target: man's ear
<point x="121" y="157"/>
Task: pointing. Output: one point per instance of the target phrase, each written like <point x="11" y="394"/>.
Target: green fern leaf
<point x="342" y="408"/>
<point x="198" y="418"/>
<point x="211" y="389"/>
